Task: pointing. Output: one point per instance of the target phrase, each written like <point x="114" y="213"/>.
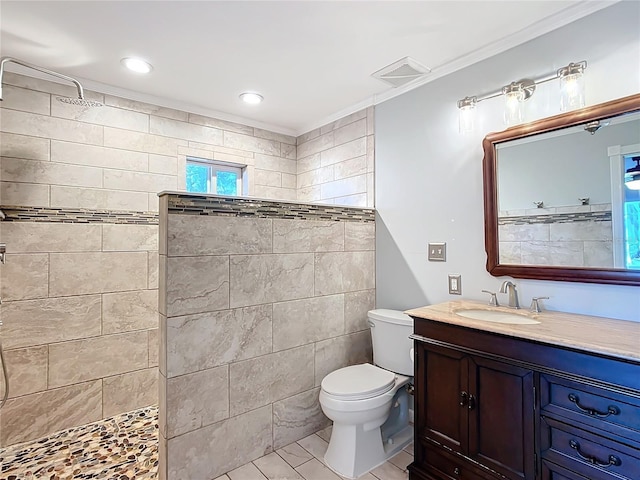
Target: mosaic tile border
<point x="124" y="447"/>
<point x="77" y="215"/>
<point x="556" y="218"/>
<point x="182" y="204"/>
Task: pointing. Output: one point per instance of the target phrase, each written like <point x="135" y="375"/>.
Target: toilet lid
<point x="358" y="382"/>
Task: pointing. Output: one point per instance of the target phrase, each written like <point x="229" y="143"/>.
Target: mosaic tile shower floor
<point x="124" y="447"/>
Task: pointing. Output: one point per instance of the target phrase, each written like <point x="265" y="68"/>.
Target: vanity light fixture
<point x="136" y="65"/>
<point x="251" y="98"/>
<point x="632" y="175"/>
<point x="516" y="93"/>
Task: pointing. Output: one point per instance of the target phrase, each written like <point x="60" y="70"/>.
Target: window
<point x="213" y="177"/>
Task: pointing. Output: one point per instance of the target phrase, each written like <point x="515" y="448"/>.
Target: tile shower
<point x="79" y="187"/>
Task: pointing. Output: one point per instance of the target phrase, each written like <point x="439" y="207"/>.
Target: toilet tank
<point x="390" y="330"/>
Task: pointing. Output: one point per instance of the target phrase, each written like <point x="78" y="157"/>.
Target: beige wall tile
<point x="236" y="441"/>
<point x="22" y="146"/>
<point x="342" y="351"/>
<point x="296" y="417"/>
<point x="153" y="270"/>
<point x="24" y="194"/>
<point x="38" y="322"/>
<point x="17" y="98"/>
<point x="97" y="156"/>
<point x="351" y="167"/>
<point x="163" y="164"/>
<point x="316" y="177"/>
<point x="105" y="115"/>
<point x="309" y="163"/>
<point x="370" y="153"/>
<point x="316" y="145"/>
<point x="308" y="320"/>
<point x="307" y="236"/>
<point x="252" y="144"/>
<point x="33" y="416"/>
<point x="305" y="137"/>
<point x="96" y="272"/>
<point x="154" y="347"/>
<point x="340" y="153"/>
<point x="220" y="124"/>
<point x="358" y="200"/>
<point x="198" y="342"/>
<point x="27" y="369"/>
<point x="341" y="122"/>
<point x="188" y="293"/>
<point x="129" y="391"/>
<point x="356" y="307"/>
<point x="24" y="277"/>
<point x="274" y="193"/>
<point x="34" y="125"/>
<point x="351" y="131"/>
<point x="263" y="380"/>
<point x="344" y="187"/>
<point x="141" y="142"/>
<point x="81" y="360"/>
<point x="196" y="400"/>
<point x="34" y="171"/>
<point x="35" y="237"/>
<point x="371" y="111"/>
<point x="289" y="180"/>
<point x="173" y="128"/>
<point x="145" y="108"/>
<point x="278" y="137"/>
<point x="126" y="237"/>
<point x="127" y="311"/>
<point x="289" y="151"/>
<point x="359" y="236"/>
<point x="257" y="279"/>
<point x="216" y="235"/>
<point x="338" y="272"/>
<point x="266" y="177"/>
<point x="141" y="182"/>
<point x="371" y="198"/>
<point x="309" y="194"/>
<point x="76" y="197"/>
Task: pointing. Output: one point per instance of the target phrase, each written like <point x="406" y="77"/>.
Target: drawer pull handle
<point x="611" y="410"/>
<point x="613" y="460"/>
<point x="464" y="397"/>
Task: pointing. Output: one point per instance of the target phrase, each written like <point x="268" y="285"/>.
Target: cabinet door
<point x="501" y="417"/>
<point x="441" y="384"/>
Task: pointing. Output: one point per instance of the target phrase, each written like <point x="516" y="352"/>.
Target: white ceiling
<point x="312" y="61"/>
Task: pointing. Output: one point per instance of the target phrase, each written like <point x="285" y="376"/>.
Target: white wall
<point x="429" y="177"/>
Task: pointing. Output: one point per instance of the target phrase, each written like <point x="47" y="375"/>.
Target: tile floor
<point x="125" y="447"/>
<point x="302" y="460"/>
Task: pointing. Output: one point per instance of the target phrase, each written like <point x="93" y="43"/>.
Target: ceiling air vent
<point x="401" y="72"/>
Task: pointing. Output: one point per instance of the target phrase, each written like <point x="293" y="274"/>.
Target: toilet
<point x="369" y="404"/>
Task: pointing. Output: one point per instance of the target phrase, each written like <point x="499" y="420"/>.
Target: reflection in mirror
<point x="562" y="200"/>
<point x="555" y="199"/>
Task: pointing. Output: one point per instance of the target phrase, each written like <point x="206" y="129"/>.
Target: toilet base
<point x="353" y="451"/>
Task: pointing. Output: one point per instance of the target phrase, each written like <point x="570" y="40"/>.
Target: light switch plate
<point x="437" y="252"/>
<point x="455" y="284"/>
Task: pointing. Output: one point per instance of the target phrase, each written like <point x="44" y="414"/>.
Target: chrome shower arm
<point x="39" y="69"/>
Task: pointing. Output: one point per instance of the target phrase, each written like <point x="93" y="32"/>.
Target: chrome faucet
<point x="510" y="288"/>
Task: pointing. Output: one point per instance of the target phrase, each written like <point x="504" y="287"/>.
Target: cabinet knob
<point x="456" y="471"/>
<point x="464" y="397"/>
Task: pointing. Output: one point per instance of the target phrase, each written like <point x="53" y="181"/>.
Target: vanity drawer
<point x="450" y="467"/>
<point x="551" y="471"/>
<point x="616" y="413"/>
<point x="587" y="454"/>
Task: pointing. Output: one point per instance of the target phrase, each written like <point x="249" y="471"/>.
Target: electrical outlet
<point x="455" y="284"/>
<point x="437" y="252"/>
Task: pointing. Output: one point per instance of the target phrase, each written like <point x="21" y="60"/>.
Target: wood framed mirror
<point x="555" y="202"/>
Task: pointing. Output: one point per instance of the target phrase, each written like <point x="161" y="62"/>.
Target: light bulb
<point x="513" y="98"/>
<point x="136" y="65"/>
<point x="467" y="114"/>
<point x="251" y="98"/>
<point x="572" y="86"/>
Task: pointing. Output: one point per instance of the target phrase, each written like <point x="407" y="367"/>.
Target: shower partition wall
<point x="259" y="301"/>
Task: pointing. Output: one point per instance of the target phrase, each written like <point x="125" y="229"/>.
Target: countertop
<point x="607" y="336"/>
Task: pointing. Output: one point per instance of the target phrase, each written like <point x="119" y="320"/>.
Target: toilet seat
<point x="358" y="382"/>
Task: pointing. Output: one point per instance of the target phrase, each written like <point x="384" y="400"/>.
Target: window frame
<point x="217" y="166"/>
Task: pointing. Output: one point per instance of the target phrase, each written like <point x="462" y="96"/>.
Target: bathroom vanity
<point x="558" y="399"/>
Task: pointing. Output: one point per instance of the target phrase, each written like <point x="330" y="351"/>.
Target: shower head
<point x="81" y="102"/>
<point x="74" y="101"/>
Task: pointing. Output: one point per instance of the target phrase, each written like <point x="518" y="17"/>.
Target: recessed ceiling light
<point x="136" y="65"/>
<point x="251" y="97"/>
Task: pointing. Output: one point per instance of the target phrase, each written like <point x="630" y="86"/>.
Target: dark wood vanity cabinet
<point x="490" y="406"/>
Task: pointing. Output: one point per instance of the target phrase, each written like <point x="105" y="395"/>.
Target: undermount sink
<point x="496" y="316"/>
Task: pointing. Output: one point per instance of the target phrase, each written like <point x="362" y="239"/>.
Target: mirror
<point x="556" y="205"/>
